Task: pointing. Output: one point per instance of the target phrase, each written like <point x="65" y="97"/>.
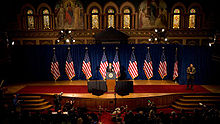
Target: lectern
<point x="110" y="81"/>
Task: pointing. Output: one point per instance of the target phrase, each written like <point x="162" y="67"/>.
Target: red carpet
<point x="137" y="89"/>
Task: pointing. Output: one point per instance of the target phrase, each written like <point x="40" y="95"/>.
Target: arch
<point x="24" y="7"/>
<point x="176" y="42"/>
<point x="197" y="6"/>
<point x="177" y="18"/>
<point x="129" y="5"/>
<point x="93" y="4"/>
<point x="43" y="5"/>
<point x="180" y="6"/>
<point x="95" y="18"/>
<point x="110" y="4"/>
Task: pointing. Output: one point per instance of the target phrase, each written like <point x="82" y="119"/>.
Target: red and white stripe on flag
<point x="86" y="68"/>
<point x="163" y="69"/>
<point x="55" y="70"/>
<point x="148" y="69"/>
<point x="70" y="70"/>
<point x="132" y="69"/>
<point x="116" y="68"/>
<point x="102" y="69"/>
<point x="175" y="71"/>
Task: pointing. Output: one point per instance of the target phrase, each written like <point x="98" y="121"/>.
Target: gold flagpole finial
<point x="133" y="48"/>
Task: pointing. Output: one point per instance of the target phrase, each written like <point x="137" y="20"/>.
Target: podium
<point x="110" y="81"/>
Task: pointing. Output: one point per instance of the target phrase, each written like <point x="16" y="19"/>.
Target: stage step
<point x="34" y="100"/>
<point x="189" y="104"/>
<point x="33" y="103"/>
<point x="201" y="97"/>
<point x="192" y="102"/>
<point x="29" y="97"/>
<point x="184" y="108"/>
<point x="38" y="108"/>
<point x="199" y="100"/>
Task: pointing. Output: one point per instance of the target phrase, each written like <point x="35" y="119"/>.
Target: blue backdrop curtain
<point x="32" y="63"/>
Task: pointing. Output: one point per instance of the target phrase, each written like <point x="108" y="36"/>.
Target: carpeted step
<point x="29" y="97"/>
<point x="38" y="108"/>
<point x="199" y="100"/>
<point x="201" y="97"/>
<point x="33" y="100"/>
<point x="184" y="108"/>
<point x="34" y="104"/>
<point x="184" y="104"/>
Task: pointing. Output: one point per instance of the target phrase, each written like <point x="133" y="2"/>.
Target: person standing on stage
<point x="191" y="70"/>
<point x="110" y="68"/>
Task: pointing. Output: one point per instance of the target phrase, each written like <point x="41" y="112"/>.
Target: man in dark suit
<point x="110" y="68"/>
<point x="191" y="70"/>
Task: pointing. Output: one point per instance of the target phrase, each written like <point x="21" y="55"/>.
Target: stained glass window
<point x="127" y="19"/>
<point x="111" y="11"/>
<point x="192" y="18"/>
<point x="176" y="18"/>
<point x="95" y="19"/>
<point x="30" y="19"/>
<point x="46" y="19"/>
<point x="111" y="18"/>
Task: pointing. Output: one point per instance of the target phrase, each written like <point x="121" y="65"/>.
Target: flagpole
<point x="53" y="55"/>
<point x="86" y="48"/>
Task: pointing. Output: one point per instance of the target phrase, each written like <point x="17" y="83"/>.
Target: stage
<point x="109" y="99"/>
<point x="16" y="87"/>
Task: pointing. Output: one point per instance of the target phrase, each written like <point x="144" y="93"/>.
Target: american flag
<point x="148" y="68"/>
<point x="69" y="67"/>
<point x="175" y="70"/>
<point x="116" y="65"/>
<point x="55" y="67"/>
<point x="162" y="66"/>
<point x="132" y="67"/>
<point x="86" y="67"/>
<point x="103" y="66"/>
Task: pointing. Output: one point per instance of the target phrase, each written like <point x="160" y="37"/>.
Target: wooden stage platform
<point x="109" y="100"/>
<point x="13" y="88"/>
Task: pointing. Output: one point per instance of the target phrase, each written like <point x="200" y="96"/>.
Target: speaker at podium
<point x="110" y="81"/>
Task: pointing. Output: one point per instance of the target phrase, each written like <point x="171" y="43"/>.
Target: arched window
<point x="95" y="18"/>
<point x="111" y="18"/>
<point x="176" y="18"/>
<point x="30" y="19"/>
<point x="46" y="19"/>
<point x="127" y="19"/>
<point x="192" y="18"/>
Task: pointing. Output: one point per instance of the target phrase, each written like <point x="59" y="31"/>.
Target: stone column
<point x="200" y="42"/>
<point x="85" y="21"/>
<point x="117" y="21"/>
<point x="184" y="41"/>
<point x="132" y="22"/>
<point x="100" y="21"/>
<point x="136" y="21"/>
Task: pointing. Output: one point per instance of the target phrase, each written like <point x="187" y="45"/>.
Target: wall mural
<point x="152" y="13"/>
<point x="69" y="14"/>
